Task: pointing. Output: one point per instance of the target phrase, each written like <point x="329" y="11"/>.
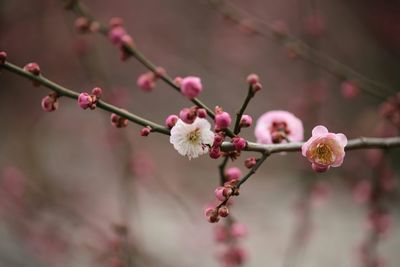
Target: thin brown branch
<point x="359" y="143"/>
<point x="63" y="91"/>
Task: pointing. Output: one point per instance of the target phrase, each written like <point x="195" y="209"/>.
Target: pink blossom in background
<point x="324" y="149"/>
<point x="349" y="90"/>
<point x="278" y="126"/>
<point x="233" y="173"/>
<point x="362" y="191"/>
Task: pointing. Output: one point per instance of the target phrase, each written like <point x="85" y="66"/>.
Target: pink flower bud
<point x="3" y="57"/>
<point x="211" y="214"/>
<point x="50" y="103"/>
<point x="191" y="86"/>
<point x="115" y="35"/>
<point x="238" y="230"/>
<point x="178" y="81"/>
<point x="250" y="162"/>
<point x="215" y="152"/>
<point x="227" y="192"/>
<point x="246" y="121"/>
<point x="253" y="79"/>
<point x="218" y="139"/>
<point x="171" y="121"/>
<point x="146" y="81"/>
<point x="239" y="143"/>
<point x="97" y="91"/>
<point x="233" y="173"/>
<point x="223" y="120"/>
<point x="256" y="87"/>
<point x="160" y="72"/>
<point x="349" y="90"/>
<point x="86" y="101"/>
<point x="32" y="68"/>
<point x="201" y="113"/>
<point x="82" y="24"/>
<point x="145" y="131"/>
<point x="223" y="211"/>
<point x="118" y="121"/>
<point x="219" y="193"/>
<point x="187" y="115"/>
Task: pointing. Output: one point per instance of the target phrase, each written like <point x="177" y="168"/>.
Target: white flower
<point x="193" y="139"/>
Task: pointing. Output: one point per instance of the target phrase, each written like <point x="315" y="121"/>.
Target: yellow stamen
<point x="194" y="136"/>
<point x="322" y="154"/>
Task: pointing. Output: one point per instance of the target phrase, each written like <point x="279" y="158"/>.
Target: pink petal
<point x="304" y="149"/>
<point x="342" y="139"/>
<point x="319" y="130"/>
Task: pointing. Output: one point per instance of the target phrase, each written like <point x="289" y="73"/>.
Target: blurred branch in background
<point x="278" y="31"/>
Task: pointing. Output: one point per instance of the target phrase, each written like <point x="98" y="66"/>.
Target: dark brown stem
<point x="239" y="114"/>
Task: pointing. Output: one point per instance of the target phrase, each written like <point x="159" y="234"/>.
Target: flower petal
<point x="342" y="139"/>
<point x="319" y="130"/>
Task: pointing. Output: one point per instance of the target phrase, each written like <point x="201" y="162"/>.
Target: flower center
<point x="194" y="136"/>
<point x="323" y="154"/>
<point x="279" y="131"/>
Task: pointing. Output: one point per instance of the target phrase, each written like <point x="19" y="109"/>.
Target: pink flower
<point x="324" y="149"/>
<point x="191" y="86"/>
<point x="278" y="126"/>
